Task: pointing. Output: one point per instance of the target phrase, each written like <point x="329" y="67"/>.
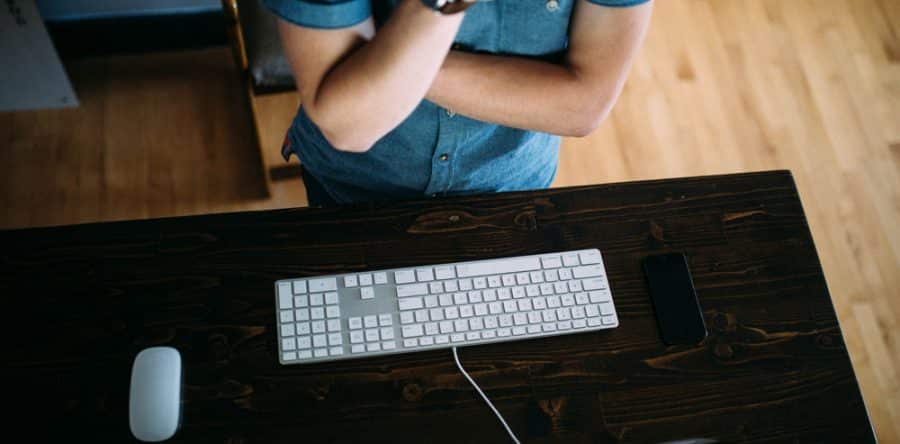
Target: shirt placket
<point x="450" y="129"/>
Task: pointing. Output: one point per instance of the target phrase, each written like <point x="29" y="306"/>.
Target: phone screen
<point x="677" y="309"/>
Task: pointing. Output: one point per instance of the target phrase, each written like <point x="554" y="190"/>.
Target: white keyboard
<point x="404" y="310"/>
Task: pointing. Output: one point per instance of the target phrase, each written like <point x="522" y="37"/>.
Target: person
<point x="411" y="98"/>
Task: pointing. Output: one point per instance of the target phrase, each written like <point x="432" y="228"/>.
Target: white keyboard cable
<point x="488" y="401"/>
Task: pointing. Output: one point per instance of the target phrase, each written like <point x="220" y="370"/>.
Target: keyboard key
<point x="549" y="315"/>
<point x="481" y="309"/>
<point x="510" y="306"/>
<point x="551" y="262"/>
<point x="504" y="294"/>
<point x="509" y="280"/>
<point x="494" y="281"/>
<point x="451" y="286"/>
<point x="593" y="284"/>
<point x="431" y="301"/>
<point x="489" y="295"/>
<point x="410" y="342"/>
<point x="335" y="339"/>
<point x="581" y="298"/>
<point x="570" y="259"/>
<point x="476" y="324"/>
<point x="302" y="328"/>
<point x="550" y="326"/>
<point x="289" y="356"/>
<point x="332" y="312"/>
<point x="451" y="312"/>
<point x="424" y="274"/>
<point x="488" y="334"/>
<point x="539" y="303"/>
<point x="436" y="287"/>
<point x="304" y="342"/>
<point x="317" y="313"/>
<point x="442" y="273"/>
<point x="388" y="345"/>
<point x="412" y="331"/>
<point x="551" y="276"/>
<point x="404" y="276"/>
<point x="564" y="325"/>
<point x="317" y="299"/>
<point x="565" y="274"/>
<point x="600" y="296"/>
<point x="385" y="320"/>
<point x="534" y="317"/>
<point x="520" y="318"/>
<point x="350" y="281"/>
<point x="387" y="333"/>
<point x="365" y="279"/>
<point x="594" y="322"/>
<point x="380" y="278"/>
<point x="536" y="277"/>
<point x="524" y="304"/>
<point x="426" y="341"/>
<point x="320" y="341"/>
<point x="358" y="348"/>
<point x="460" y="298"/>
<point x="475" y="296"/>
<point x="460" y="325"/>
<point x="479" y="283"/>
<point x="560" y="287"/>
<point x="436" y="314"/>
<point x="285" y="296"/>
<point x="575" y="286"/>
<point x="299" y="287"/>
<point x="466" y="311"/>
<point x="287" y="316"/>
<point x="568" y="299"/>
<point x="563" y="314"/>
<point x="522" y="279"/>
<point x="473" y="335"/>
<point x="336" y="351"/>
<point x="318" y="327"/>
<point x="465" y="284"/>
<point x="457" y="337"/>
<point x="366" y="293"/>
<point x="606" y="309"/>
<point x="421" y="315"/>
<point x="372" y="335"/>
<point x="532" y="290"/>
<point x="553" y="302"/>
<point x="334" y="325"/>
<point x="505" y="320"/>
<point x="331" y="298"/>
<point x="304" y="354"/>
<point x="592" y="311"/>
<point x="446" y="327"/>
<point x="587" y="271"/>
<point x="442" y="339"/>
<point x="579" y="323"/>
<point x="301" y="301"/>
<point x="322" y="285"/>
<point x="495" y="308"/>
<point x="546" y="289"/>
<point x="374" y="347"/>
<point x="411" y="303"/>
<point x="431" y="328"/>
<point x="534" y="328"/>
<point x="288" y="344"/>
<point x="590" y="257"/>
<point x="406" y="317"/>
<point x="490" y="322"/>
<point x="518" y="292"/>
<point x="445" y="300"/>
<point x="504" y="332"/>
<point x="370" y="321"/>
<point x="355" y="322"/>
<point x="578" y="312"/>
<point x="404" y="291"/>
<point x="518" y="331"/>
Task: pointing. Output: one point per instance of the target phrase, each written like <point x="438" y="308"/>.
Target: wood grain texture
<point x="204" y="284"/>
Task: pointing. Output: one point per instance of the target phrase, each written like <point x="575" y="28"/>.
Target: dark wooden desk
<point x="81" y="301"/>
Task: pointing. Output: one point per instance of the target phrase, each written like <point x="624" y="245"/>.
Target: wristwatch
<point x="448" y="7"/>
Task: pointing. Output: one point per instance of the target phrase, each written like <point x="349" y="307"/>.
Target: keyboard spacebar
<point x="498" y="266"/>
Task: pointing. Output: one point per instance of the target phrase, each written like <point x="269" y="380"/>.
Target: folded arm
<point x="570" y="99"/>
<point x="357" y="86"/>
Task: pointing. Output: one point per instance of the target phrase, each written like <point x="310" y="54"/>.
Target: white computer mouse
<point x="154" y="403"/>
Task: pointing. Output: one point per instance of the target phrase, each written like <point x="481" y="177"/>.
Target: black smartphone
<point x="677" y="309"/>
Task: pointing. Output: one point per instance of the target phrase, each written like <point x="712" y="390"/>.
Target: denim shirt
<point x="436" y="151"/>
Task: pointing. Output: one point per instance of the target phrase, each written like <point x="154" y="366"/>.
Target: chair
<point x="269" y="85"/>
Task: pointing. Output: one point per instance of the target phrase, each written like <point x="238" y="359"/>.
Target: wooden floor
<point x="721" y="86"/>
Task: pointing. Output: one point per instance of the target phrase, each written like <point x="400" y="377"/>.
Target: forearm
<point x="521" y="93"/>
<point x="374" y="89"/>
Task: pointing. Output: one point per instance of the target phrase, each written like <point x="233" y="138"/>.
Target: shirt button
<point x="552" y="5"/>
<point x="450" y="114"/>
<point x="444" y="157"/>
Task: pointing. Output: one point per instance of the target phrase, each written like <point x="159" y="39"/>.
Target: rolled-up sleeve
<point x="325" y="14"/>
<point x="618" y="3"/>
